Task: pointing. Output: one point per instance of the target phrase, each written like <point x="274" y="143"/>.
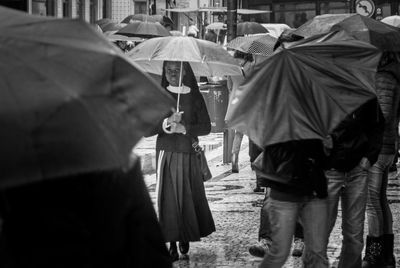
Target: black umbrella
<point x="144" y="30"/>
<point x="245" y="28"/>
<point x="305" y="91"/>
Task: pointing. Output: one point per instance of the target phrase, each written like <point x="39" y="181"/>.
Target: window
<point x="140" y="7"/>
<point x="334" y="7"/>
<point x="294" y="14"/>
<point x="93" y="11"/>
<point x="43" y="7"/>
<point x="66" y="8"/>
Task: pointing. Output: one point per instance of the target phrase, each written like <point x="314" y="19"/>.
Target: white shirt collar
<point x="184" y="90"/>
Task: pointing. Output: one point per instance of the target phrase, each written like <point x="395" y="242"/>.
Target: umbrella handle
<point x="180" y="88"/>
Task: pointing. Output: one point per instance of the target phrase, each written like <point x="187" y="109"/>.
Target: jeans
<point x="264" y="230"/>
<point x="380" y="218"/>
<point x="351" y="188"/>
<point x="283" y="217"/>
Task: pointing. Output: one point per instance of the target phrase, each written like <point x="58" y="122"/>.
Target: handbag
<point x="204" y="169"/>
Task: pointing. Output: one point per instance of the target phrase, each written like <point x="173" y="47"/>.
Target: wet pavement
<point x="236" y="212"/>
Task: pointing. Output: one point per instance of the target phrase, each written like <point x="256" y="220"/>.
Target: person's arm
<point x="373" y="124"/>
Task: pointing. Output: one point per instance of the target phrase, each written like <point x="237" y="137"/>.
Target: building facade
<point x="295" y="13"/>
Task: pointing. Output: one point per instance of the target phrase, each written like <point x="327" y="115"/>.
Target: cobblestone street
<point x="236" y="211"/>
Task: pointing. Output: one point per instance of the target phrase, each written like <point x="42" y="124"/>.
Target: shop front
<point x="295" y="13"/>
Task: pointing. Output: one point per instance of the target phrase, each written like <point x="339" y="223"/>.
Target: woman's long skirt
<point x="183" y="210"/>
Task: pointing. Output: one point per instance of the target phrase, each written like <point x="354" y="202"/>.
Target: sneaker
<point x="260" y="248"/>
<point x="298" y="247"/>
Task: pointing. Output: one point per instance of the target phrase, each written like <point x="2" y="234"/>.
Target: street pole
<point x="231" y="25"/>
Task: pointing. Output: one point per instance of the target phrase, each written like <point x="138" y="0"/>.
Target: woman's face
<point x="172" y="72"/>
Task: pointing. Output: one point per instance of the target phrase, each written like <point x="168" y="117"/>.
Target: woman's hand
<point x="176" y="117"/>
<point x="178" y="128"/>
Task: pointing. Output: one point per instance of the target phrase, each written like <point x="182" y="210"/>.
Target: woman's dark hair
<point x="188" y="79"/>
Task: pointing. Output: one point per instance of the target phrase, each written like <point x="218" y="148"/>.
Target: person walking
<point x="248" y="63"/>
<point x="183" y="210"/>
<point x="357" y="142"/>
<point x="298" y="190"/>
<point x="379" y="246"/>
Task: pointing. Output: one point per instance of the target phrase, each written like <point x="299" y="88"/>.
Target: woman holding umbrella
<point x="184" y="214"/>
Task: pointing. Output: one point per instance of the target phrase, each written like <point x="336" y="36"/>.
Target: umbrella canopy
<point x="112" y="26"/>
<point x="103" y="21"/>
<point x="255" y="44"/>
<point x="144" y="30"/>
<point x="216" y="26"/>
<point x="305" y="91"/>
<point x="164" y="20"/>
<point x="245" y="28"/>
<point x="392" y="20"/>
<point x="206" y="58"/>
<point x="118" y="37"/>
<point x="139" y="17"/>
<point x="70" y="102"/>
<point x="363" y="28"/>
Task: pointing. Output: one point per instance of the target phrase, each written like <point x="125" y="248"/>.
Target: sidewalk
<point x="236" y="212"/>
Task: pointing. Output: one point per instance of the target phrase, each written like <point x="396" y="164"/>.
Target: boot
<point x="184" y="247"/>
<point x="373" y="252"/>
<point x="235" y="163"/>
<point x="388" y="259"/>
<point x="173" y="251"/>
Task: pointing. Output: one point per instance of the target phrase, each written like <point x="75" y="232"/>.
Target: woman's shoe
<point x="184" y="247"/>
<point x="173" y="251"/>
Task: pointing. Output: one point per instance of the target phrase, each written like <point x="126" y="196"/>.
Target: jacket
<point x="388" y="92"/>
<point x="359" y="135"/>
<point x="294" y="167"/>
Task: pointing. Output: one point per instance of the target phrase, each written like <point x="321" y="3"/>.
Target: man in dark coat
<point x="103" y="219"/>
<point x="357" y="142"/>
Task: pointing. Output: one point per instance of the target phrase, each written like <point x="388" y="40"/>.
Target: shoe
<point x="298" y="247"/>
<point x="373" y="252"/>
<point x="184" y="247"/>
<point x="258" y="189"/>
<point x="388" y="259"/>
<point x="173" y="251"/>
<point x="261" y="248"/>
<point x="235" y="164"/>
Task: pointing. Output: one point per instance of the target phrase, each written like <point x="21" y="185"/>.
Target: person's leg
<point x="354" y="199"/>
<point x="264" y="240"/>
<point x="314" y="216"/>
<point x="335" y="187"/>
<point x="388" y="258"/>
<point x="282" y="217"/>
<point x="237" y="141"/>
<point x="254" y="152"/>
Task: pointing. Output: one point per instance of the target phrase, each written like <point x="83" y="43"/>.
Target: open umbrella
<point x="205" y="58"/>
<point x="255" y="44"/>
<point x="70" y="102"/>
<point x="245" y="28"/>
<point x="363" y="28"/>
<point x="144" y="30"/>
<point x="216" y="26"/>
<point x="139" y="17"/>
<point x="392" y="20"/>
<point x="305" y="91"/>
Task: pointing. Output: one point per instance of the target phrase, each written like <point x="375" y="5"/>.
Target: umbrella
<point x="139" y="17"/>
<point x="363" y="28"/>
<point x="112" y="26"/>
<point x="103" y="21"/>
<point x="255" y="44"/>
<point x="392" y="20"/>
<point x="305" y="91"/>
<point x="144" y="30"/>
<point x="118" y="37"/>
<point x="70" y="102"/>
<point x="245" y="28"/>
<point x="176" y="33"/>
<point x="216" y="26"/>
<point x="164" y="20"/>
<point x="205" y="58"/>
